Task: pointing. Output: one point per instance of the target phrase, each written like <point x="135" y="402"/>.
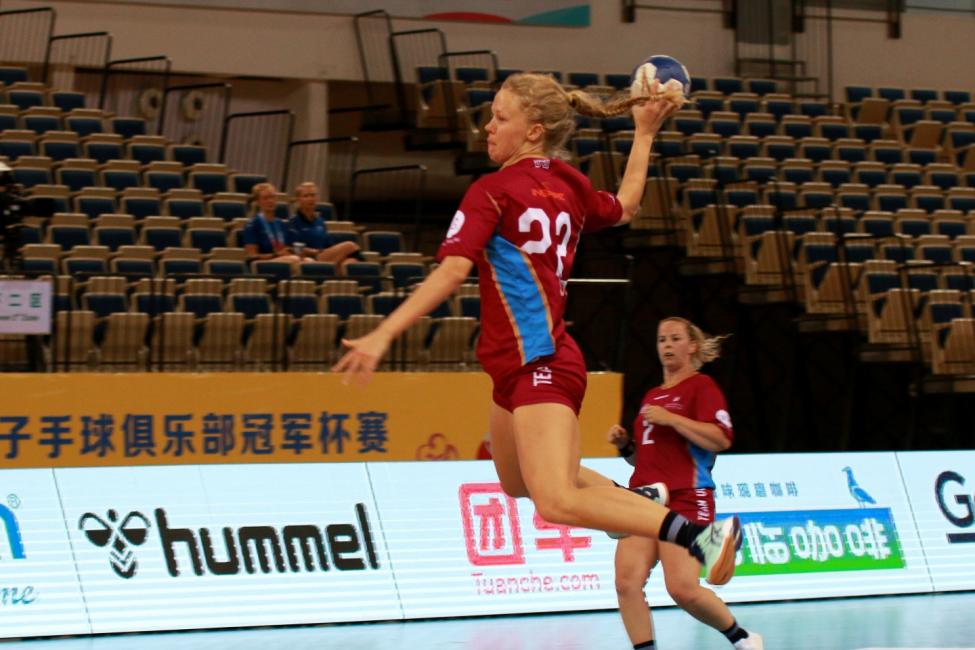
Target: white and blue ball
<point x="670" y="72"/>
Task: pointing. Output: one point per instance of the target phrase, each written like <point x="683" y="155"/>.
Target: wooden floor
<point x="942" y="621"/>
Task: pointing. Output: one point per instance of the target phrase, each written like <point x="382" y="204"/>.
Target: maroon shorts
<point x="697" y="504"/>
<point x="558" y="378"/>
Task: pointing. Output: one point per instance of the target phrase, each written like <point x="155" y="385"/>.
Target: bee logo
<point x="119" y="537"/>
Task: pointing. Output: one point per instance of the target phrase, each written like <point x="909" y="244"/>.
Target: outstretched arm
<point x="648" y="118"/>
<point x="365" y="352"/>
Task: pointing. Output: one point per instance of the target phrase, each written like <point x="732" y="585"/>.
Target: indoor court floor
<point x="939" y="621"/>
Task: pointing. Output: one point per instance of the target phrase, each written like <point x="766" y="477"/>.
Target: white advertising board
<point x="102" y="550"/>
<point x="819" y="525"/>
<point x="941" y="485"/>
<point x="462" y="547"/>
<point x="39" y="590"/>
<point x="182" y="547"/>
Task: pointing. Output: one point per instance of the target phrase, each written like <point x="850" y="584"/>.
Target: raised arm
<point x="648" y="118"/>
<point x="365" y="353"/>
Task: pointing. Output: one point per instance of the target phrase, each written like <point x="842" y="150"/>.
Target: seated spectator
<point x="307" y="227"/>
<point x="265" y="237"/>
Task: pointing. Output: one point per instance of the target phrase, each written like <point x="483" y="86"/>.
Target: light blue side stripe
<point x="703" y="461"/>
<point x="517" y="285"/>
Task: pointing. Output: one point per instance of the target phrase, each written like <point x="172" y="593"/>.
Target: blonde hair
<point x="305" y="185"/>
<point x="708" y="347"/>
<point x="256" y="193"/>
<point x="545" y="101"/>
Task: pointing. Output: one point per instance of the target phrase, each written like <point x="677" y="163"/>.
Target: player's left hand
<point x="657" y="415"/>
<point x="650" y="115"/>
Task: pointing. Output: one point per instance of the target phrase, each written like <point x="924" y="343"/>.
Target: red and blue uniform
<point x="664" y="455"/>
<point x="520" y="226"/>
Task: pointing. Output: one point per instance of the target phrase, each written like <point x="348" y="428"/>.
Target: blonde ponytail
<point x="708" y="347"/>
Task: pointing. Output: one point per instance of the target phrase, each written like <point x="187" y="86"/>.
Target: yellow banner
<point x="86" y="420"/>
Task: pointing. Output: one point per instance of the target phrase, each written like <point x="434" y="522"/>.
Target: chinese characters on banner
<point x="84" y="420"/>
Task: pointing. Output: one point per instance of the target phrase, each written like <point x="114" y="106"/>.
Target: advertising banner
<point x="810" y="530"/>
<point x="563" y="13"/>
<point x="818" y="525"/>
<point x="462" y="547"/>
<point x="165" y="548"/>
<point x="39" y="590"/>
<point x="941" y="487"/>
<point x="121" y="549"/>
<point x="88" y="420"/>
<point x="25" y="307"/>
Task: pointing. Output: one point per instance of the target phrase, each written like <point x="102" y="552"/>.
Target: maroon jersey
<point x="663" y="454"/>
<point x="521" y="226"/>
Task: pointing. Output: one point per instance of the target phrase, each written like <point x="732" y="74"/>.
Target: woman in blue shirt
<point x="265" y="237"/>
<point x="307" y="227"/>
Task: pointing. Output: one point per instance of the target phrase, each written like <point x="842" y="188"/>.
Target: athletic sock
<point x="645" y="644"/>
<point x="677" y="529"/>
<point x="735" y="633"/>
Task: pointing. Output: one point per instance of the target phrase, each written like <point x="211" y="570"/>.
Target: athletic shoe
<point x="752" y="642"/>
<point x="715" y="548"/>
<point x="656" y="492"/>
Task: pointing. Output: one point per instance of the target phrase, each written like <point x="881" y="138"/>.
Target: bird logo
<point x="857" y="492"/>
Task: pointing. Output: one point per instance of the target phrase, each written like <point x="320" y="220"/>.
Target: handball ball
<point x="670" y="72"/>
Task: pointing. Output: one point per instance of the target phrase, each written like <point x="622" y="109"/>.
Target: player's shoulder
<point x="703" y="381"/>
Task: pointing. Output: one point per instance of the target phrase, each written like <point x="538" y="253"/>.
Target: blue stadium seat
<point x="67" y="100"/>
<point x="343" y="305"/>
<point x="128" y="127"/>
<point x="317" y="271"/>
<point x="12" y="74"/>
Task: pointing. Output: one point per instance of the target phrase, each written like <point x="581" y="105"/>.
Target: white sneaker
<point x="656" y="492"/>
<point x="715" y="547"/>
<point x="752" y="642"/>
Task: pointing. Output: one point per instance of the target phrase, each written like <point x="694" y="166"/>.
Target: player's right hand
<point x="362" y="357"/>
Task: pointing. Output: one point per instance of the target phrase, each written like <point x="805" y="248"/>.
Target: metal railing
<point x="137" y="86"/>
<point x="68" y="52"/>
<point x="390" y="194"/>
<point x="259" y="140"/>
<point x="24" y="37"/>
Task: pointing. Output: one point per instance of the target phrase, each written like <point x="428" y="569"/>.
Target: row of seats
<point x="226" y="341"/>
<point x="105" y="295"/>
<point x="787" y="195"/>
<point x="76" y="174"/>
<point x="619" y="81"/>
<point x="100" y="147"/>
<point x="780" y="148"/>
<point x="886" y="167"/>
<point x="144" y="261"/>
<point x="856" y="94"/>
<point x="140" y="203"/>
<point x="28" y="94"/>
<point x="80" y="121"/>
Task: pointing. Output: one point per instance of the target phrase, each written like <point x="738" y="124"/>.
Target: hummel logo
<point x="118" y="537"/>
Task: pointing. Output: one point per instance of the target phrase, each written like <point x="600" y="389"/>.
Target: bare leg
<point x="682" y="577"/>
<point x="635" y="557"/>
<point x="505" y="453"/>
<point x="547" y="439"/>
<point x="338" y="253"/>
<point x="505" y="456"/>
